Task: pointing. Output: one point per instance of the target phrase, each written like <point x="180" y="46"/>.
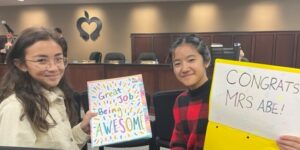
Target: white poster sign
<point x="260" y="99"/>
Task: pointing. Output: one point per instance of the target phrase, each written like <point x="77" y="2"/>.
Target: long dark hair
<point x="28" y="90"/>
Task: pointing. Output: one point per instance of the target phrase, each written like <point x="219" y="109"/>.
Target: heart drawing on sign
<point x="85" y="23"/>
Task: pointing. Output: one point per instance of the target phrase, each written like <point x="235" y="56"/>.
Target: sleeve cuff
<point x="80" y="136"/>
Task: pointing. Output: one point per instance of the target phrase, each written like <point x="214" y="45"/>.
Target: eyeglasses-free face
<point x="45" y="63"/>
<point x="189" y="66"/>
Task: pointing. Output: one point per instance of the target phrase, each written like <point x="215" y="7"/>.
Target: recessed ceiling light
<point x="21" y="0"/>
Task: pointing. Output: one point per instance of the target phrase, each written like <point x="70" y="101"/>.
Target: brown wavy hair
<point x="27" y="89"/>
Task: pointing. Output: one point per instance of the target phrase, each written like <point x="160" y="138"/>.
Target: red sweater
<point x="191" y="116"/>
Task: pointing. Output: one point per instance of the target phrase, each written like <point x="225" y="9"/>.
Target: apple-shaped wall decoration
<point x="85" y="35"/>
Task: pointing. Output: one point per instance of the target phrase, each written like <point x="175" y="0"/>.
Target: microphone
<point x="3" y="22"/>
<point x="9" y="30"/>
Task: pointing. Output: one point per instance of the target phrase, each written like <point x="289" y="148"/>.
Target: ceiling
<point x="49" y="2"/>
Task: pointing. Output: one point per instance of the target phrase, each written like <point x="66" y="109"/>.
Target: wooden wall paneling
<point x="263" y="49"/>
<point x="226" y="39"/>
<point x="207" y="38"/>
<point x="141" y="43"/>
<point x="175" y="36"/>
<point x="156" y="77"/>
<point x="246" y="43"/>
<point x="149" y="73"/>
<point x="297" y="50"/>
<point x="150" y="79"/>
<point x="270" y="47"/>
<point x="253" y="47"/>
<point x="115" y="71"/>
<point x="79" y="74"/>
<point x="167" y="80"/>
<point x="209" y="71"/>
<point x="161" y="45"/>
<point x="284" y="49"/>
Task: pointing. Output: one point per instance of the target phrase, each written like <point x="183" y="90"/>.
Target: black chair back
<point x="147" y="57"/>
<point x="163" y="107"/>
<point x="97" y="56"/>
<point x="114" y="58"/>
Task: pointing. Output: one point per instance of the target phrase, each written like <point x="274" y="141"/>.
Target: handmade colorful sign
<point x="251" y="105"/>
<point x="122" y="110"/>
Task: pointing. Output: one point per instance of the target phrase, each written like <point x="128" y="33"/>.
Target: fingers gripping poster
<point x="122" y="110"/>
<point x="251" y="105"/>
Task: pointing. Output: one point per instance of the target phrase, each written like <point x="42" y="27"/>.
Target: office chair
<point x="147" y="58"/>
<point x="164" y="123"/>
<point x="97" y="56"/>
<point x="114" y="58"/>
<point x="134" y="143"/>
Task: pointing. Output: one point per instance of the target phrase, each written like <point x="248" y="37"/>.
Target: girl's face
<point x="189" y="67"/>
<point x="45" y="63"/>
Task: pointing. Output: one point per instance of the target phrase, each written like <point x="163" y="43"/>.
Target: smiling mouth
<point x="52" y="76"/>
<point x="186" y="75"/>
